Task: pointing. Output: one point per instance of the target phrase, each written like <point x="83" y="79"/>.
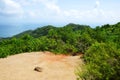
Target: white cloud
<point x="24" y="2"/>
<point x="47" y="10"/>
<point x="50" y="5"/>
<point x="94" y="15"/>
<point x="51" y="10"/>
<point x="97" y="5"/>
<point x="32" y="14"/>
<point x="10" y="8"/>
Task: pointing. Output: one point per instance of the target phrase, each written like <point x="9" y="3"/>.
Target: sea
<point x="9" y="30"/>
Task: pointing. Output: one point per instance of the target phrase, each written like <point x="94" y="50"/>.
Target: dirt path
<point x="54" y="67"/>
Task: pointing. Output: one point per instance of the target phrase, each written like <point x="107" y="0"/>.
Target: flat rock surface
<point x="54" y="67"/>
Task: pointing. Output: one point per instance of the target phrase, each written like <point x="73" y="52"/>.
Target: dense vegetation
<point x="100" y="45"/>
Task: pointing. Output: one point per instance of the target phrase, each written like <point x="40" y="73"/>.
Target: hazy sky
<point x="59" y="11"/>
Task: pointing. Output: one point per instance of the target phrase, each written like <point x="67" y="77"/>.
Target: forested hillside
<point x="100" y="46"/>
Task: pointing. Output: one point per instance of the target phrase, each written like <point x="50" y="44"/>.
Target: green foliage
<point x="100" y="45"/>
<point x="102" y="62"/>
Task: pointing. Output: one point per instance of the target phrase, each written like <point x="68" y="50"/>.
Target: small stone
<point x="38" y="69"/>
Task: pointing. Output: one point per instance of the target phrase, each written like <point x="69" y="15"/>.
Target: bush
<point x="101" y="62"/>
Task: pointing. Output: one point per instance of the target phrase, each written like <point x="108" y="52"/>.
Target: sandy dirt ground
<point x="54" y="67"/>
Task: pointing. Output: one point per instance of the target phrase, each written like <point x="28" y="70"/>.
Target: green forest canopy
<point x="100" y="45"/>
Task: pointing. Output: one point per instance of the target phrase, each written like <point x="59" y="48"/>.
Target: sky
<point x="59" y="12"/>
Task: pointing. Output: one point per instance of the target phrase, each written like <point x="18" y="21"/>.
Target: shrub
<point x="101" y="63"/>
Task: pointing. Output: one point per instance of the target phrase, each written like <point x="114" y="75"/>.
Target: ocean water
<point x="11" y="30"/>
